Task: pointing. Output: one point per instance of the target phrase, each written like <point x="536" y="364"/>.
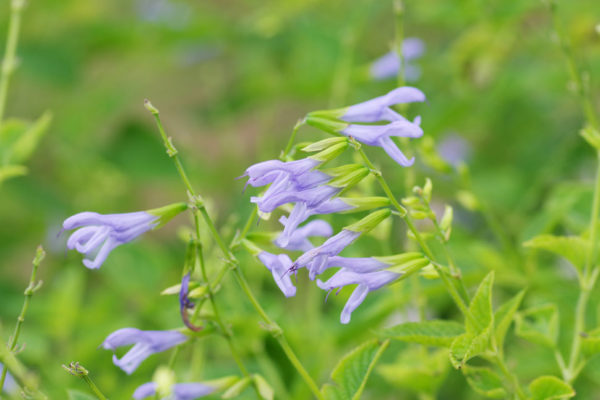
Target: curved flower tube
<point x="298" y="239"/>
<point x="181" y="391"/>
<point x="145" y="343"/>
<point x="279" y="265"/>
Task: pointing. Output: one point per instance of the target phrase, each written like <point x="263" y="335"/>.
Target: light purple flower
<point x="185" y="303"/>
<point x="298" y="240"/>
<point x="454" y="149"/>
<point x="279" y="265"/>
<point x="388" y="65"/>
<point x="316" y="259"/>
<point x="311" y="197"/>
<point x="381" y="135"/>
<point x="145" y="343"/>
<point x="266" y="172"/>
<point x="181" y="391"/>
<point x="378" y="109"/>
<point x="367" y="282"/>
<point x="99" y="234"/>
<point x="10" y="386"/>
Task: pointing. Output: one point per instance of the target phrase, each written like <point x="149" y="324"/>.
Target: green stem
<point x="93" y="387"/>
<point x="290" y="143"/>
<point x="399" y="40"/>
<point x="23" y="377"/>
<point x="79" y="371"/>
<point x="510" y="377"/>
<point x="9" y="63"/>
<point x="29" y="291"/>
<point x="274" y="329"/>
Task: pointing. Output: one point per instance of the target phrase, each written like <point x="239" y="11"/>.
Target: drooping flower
<point x="181" y="391"/>
<point x="298" y="240"/>
<point x="378" y="109"/>
<point x="145" y="343"/>
<point x="311" y="197"/>
<point x="367" y="282"/>
<point x="10" y="386"/>
<point x="279" y="265"/>
<point x="185" y="303"/>
<point x="387" y="66"/>
<point x="99" y="234"/>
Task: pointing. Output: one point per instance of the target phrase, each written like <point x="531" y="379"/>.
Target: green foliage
<point x="573" y="248"/>
<point x="538" y="324"/>
<point x="485" y="382"/>
<point x="590" y="342"/>
<point x="77" y="395"/>
<point x="504" y="316"/>
<point x="351" y="373"/>
<point x="550" y="388"/>
<point x="429" y="333"/>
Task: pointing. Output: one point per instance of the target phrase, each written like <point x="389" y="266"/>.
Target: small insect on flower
<point x="99" y="234"/>
<point x="181" y="391"/>
<point x="145" y="343"/>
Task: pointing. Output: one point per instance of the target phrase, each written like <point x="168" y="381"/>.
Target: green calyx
<point x="166" y="213"/>
<point x="370" y="221"/>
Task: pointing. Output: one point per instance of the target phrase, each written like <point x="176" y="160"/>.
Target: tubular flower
<point x="185" y="303"/>
<point x="367" y="282"/>
<point x="279" y="265"/>
<point x="387" y="66"/>
<point x="181" y="391"/>
<point x="311" y="197"/>
<point x="270" y="171"/>
<point x="145" y="343"/>
<point x="378" y="109"/>
<point x="298" y="240"/>
<point x="99" y="234"/>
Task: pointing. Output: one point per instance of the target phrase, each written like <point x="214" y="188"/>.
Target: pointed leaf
<point x="550" y="388"/>
<point x="430" y="333"/>
<point x="264" y="389"/>
<point x="573" y="248"/>
<point x="538" y="325"/>
<point x="468" y="346"/>
<point x="504" y="317"/>
<point x="352" y="372"/>
<point x="485" y="382"/>
<point x="24" y="146"/>
<point x="481" y="307"/>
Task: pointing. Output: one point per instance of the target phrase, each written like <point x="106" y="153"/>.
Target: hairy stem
<point x="29" y="291"/>
<point x="9" y="63"/>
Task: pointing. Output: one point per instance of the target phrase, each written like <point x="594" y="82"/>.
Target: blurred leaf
<point x="481" y="307"/>
<point x="538" y="325"/>
<point x="429" y="333"/>
<point x="236" y="389"/>
<point x="77" y="395"/>
<point x="573" y="248"/>
<point x="504" y="317"/>
<point x="11" y="171"/>
<point x="351" y="373"/>
<point x="265" y="390"/>
<point x="468" y="346"/>
<point x="550" y="388"/>
<point x="485" y="382"/>
<point x="24" y="146"/>
<point x="590" y="343"/>
<point x="417" y="370"/>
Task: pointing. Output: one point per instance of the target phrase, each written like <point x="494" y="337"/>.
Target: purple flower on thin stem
<point x="279" y="265"/>
<point x="145" y="343"/>
<point x="266" y="172"/>
<point x="381" y="135"/>
<point x="367" y="282"/>
<point x="186" y="304"/>
<point x="100" y="234"/>
<point x="387" y="66"/>
<point x="298" y="240"/>
<point x="316" y="259"/>
<point x="311" y="197"/>
<point x="181" y="391"/>
<point x="378" y="109"/>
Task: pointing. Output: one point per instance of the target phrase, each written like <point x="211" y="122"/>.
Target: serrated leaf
<point x="467" y="346"/>
<point x="351" y="373"/>
<point x="430" y="333"/>
<point x="264" y="389"/>
<point x="573" y="248"/>
<point x="590" y="343"/>
<point x="481" y="307"/>
<point x="77" y="395"/>
<point x="538" y="325"/>
<point x="485" y="382"/>
<point x="26" y="143"/>
<point x="417" y="371"/>
<point x="504" y="317"/>
<point x="550" y="388"/>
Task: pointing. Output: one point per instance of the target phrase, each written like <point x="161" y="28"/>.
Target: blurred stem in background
<point x="591" y="270"/>
<point x="29" y="291"/>
<point x="272" y="327"/>
<point x="9" y="63"/>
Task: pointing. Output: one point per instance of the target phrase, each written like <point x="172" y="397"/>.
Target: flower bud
<point x="369" y="222"/>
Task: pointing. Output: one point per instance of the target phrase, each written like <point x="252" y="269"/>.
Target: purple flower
<point x="454" y="149"/>
<point x="316" y="259"/>
<point x="378" y="109"/>
<point x="100" y="234"/>
<point x="266" y="172"/>
<point x="298" y="240"/>
<point x="367" y="282"/>
<point x="388" y="65"/>
<point x="381" y="135"/>
<point x="181" y="391"/>
<point x="311" y="197"/>
<point x="10" y="386"/>
<point x="185" y="303"/>
<point x="279" y="265"/>
<point x="145" y="343"/>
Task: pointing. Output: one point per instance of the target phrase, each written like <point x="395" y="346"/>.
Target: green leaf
<point x="468" y="346"/>
<point x="236" y="389"/>
<point x="550" y="388"/>
<point x="26" y="143"/>
<point x="504" y="317"/>
<point x="351" y="373"/>
<point x="264" y="389"/>
<point x="430" y="333"/>
<point x="77" y="395"/>
<point x="417" y="371"/>
<point x="485" y="382"/>
<point x="538" y="325"/>
<point x="481" y="307"/>
<point x="590" y="343"/>
<point x="573" y="248"/>
<point x="11" y="171"/>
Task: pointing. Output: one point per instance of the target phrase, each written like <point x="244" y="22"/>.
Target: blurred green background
<point x="230" y="79"/>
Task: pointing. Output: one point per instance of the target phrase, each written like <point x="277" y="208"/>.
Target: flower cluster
<point x="315" y="191"/>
